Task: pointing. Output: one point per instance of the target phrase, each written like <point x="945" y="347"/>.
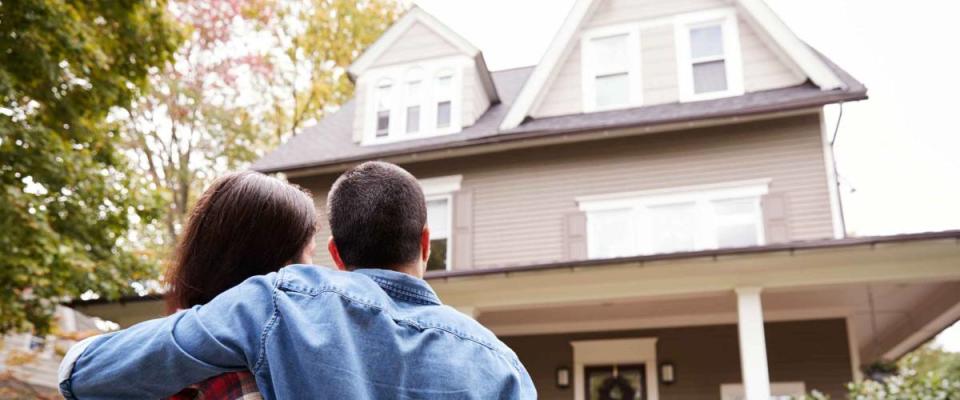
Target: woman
<point x="245" y="224"/>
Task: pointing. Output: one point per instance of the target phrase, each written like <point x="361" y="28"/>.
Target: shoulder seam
<point x="268" y="327"/>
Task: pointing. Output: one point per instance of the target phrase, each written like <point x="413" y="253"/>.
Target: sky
<point x="898" y="153"/>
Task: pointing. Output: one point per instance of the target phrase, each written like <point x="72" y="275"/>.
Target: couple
<point x="248" y="327"/>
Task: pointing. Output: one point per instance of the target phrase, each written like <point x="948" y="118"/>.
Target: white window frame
<point x="732" y="56"/>
<point x="414" y="75"/>
<point x="398" y="75"/>
<point x="735" y="391"/>
<point x="589" y="69"/>
<point x="391" y="112"/>
<point x="703" y="195"/>
<point x="443" y="188"/>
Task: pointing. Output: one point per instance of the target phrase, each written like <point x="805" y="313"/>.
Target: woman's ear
<point x="335" y="254"/>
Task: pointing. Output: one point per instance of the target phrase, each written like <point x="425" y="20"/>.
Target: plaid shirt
<point x="229" y="386"/>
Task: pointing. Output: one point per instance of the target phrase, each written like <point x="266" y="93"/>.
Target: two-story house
<point x="651" y="209"/>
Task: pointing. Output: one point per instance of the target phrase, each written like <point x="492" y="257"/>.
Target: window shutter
<point x="575" y="236"/>
<point x="463" y="230"/>
<point x="774" y="207"/>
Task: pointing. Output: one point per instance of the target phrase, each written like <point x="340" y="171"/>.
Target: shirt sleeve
<point x="157" y="358"/>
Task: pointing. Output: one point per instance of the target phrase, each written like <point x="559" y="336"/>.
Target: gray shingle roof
<point x="331" y="141"/>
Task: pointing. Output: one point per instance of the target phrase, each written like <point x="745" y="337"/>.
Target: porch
<point x="732" y="324"/>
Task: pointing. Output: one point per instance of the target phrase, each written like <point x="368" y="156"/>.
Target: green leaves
<point x="65" y="205"/>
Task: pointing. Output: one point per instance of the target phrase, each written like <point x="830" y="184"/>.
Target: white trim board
<point x="616" y="351"/>
<point x="766" y="22"/>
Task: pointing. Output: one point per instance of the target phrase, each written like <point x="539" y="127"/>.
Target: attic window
<point x="412" y="101"/>
<point x="708" y="55"/>
<point x="444" y="89"/>
<point x="611" y="68"/>
<point x="383" y="109"/>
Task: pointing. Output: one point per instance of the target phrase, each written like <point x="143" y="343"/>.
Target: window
<point x="439" y="195"/>
<point x="444" y="89"/>
<point x="413" y="98"/>
<point x="611" y="68"/>
<point x="708" y="54"/>
<point x="438" y="220"/>
<point x="415" y="101"/>
<point x="674" y="220"/>
<point x="383" y="109"/>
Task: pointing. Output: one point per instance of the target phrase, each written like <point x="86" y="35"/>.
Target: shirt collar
<point x="402" y="286"/>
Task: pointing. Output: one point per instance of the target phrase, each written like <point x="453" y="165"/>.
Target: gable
<point x="762" y="67"/>
<point x="774" y="57"/>
<point x="418" y="42"/>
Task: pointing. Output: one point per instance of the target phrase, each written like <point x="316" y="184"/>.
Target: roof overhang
<point x="525" y="137"/>
<point x="417" y="15"/>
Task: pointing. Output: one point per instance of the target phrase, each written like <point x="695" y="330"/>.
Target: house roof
<point x="331" y="143"/>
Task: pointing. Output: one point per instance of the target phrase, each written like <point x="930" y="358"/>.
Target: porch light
<point x="668" y="374"/>
<point x="563" y="377"/>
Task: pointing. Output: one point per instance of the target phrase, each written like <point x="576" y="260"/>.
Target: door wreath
<point x="627" y="392"/>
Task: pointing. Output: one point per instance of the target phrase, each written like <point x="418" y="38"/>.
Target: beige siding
<point x="475" y="99"/>
<point x="812" y="352"/>
<point x="522" y="201"/>
<point x="416" y="44"/>
<point x="762" y="68"/>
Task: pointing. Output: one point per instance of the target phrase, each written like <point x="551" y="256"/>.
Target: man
<point x="373" y="330"/>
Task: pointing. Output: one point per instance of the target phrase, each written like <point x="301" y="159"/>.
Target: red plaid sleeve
<point x="230" y="386"/>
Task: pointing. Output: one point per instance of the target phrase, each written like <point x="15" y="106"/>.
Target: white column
<point x="753" y="344"/>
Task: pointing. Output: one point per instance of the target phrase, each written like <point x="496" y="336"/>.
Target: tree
<point x="249" y="73"/>
<point x="317" y="40"/>
<point x="195" y="119"/>
<point x="66" y="202"/>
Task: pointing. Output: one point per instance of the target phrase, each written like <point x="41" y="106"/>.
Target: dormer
<point x="619" y="54"/>
<point x="419" y="80"/>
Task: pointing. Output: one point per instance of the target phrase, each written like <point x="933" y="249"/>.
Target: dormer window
<point x="414" y="97"/>
<point x="444" y="94"/>
<point x="414" y="101"/>
<point x="383" y="102"/>
<point x="611" y="68"/>
<point x="708" y="55"/>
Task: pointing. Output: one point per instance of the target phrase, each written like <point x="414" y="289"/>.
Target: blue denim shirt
<point x="307" y="332"/>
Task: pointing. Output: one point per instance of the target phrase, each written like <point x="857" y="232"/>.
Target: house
<point x="651" y="209"/>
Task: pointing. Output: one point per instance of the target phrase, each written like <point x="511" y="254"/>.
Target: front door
<point x="615" y="382"/>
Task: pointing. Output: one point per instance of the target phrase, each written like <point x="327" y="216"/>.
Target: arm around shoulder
<point x="159" y="357"/>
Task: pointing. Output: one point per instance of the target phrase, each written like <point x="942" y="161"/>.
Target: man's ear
<point x="335" y="254"/>
<point x="425" y="245"/>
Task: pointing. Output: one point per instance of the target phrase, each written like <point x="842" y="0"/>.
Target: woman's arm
<point x="157" y="358"/>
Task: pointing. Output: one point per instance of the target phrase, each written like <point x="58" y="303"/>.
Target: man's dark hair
<point x="377" y="214"/>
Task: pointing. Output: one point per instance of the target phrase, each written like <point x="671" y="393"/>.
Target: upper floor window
<point x="708" y="54"/>
<point x="439" y="194"/>
<point x="444" y="99"/>
<point x="611" y="68"/>
<point x="414" y="99"/>
<point x="383" y="104"/>
<point x="413" y="102"/>
<point x="674" y="220"/>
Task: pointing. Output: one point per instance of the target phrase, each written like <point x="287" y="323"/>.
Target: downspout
<point x="836" y="174"/>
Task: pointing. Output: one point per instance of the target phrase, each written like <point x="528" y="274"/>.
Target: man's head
<point x="378" y="218"/>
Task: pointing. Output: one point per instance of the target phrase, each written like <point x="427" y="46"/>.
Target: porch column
<point x="753" y="344"/>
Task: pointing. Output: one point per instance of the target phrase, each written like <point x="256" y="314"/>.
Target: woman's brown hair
<point x="245" y="224"/>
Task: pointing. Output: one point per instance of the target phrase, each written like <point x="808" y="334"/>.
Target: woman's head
<point x="245" y="224"/>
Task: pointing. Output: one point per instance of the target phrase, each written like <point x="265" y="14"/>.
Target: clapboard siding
<point x="762" y="68"/>
<point x="475" y="99"/>
<point x="521" y="199"/>
<point x="416" y="44"/>
<point x="812" y="352"/>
